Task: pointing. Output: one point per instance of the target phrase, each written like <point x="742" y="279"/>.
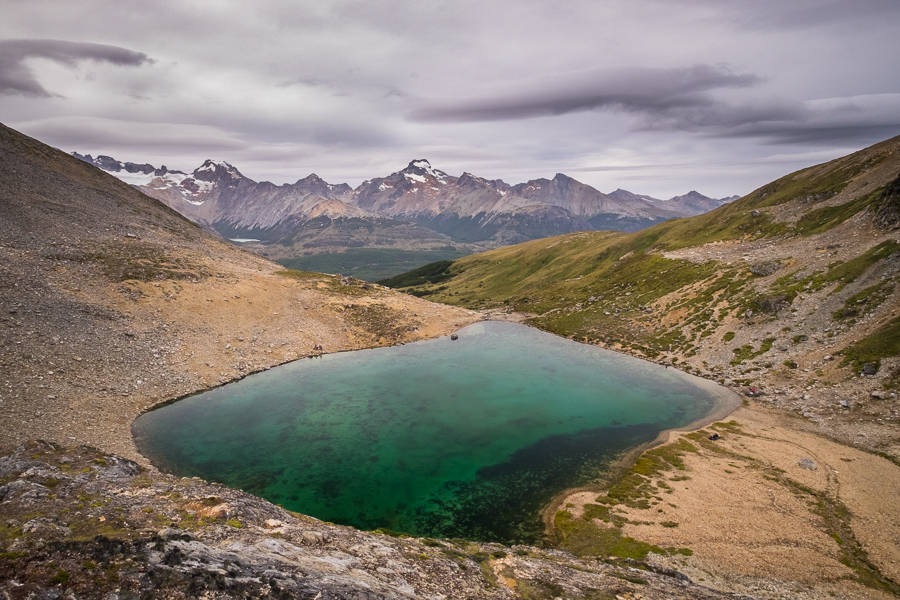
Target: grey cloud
<point x="17" y="78"/>
<point x="806" y="14"/>
<point x="685" y="100"/>
<point x="640" y="90"/>
<point x="306" y="81"/>
<point x="860" y="120"/>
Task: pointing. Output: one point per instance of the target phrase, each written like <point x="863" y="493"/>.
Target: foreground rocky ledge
<point x="78" y="523"/>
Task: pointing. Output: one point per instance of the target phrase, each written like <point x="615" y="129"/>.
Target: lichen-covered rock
<point x="106" y="528"/>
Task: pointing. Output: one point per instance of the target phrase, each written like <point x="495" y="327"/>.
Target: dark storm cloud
<point x="17" y="78"/>
<point x="639" y="90"/>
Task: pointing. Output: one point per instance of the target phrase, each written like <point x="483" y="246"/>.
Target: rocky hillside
<point x="790" y="291"/>
<point x="417" y="208"/>
<point x="111" y="302"/>
<point x="80" y="523"/>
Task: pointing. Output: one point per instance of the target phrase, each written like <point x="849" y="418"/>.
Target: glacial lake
<point x="468" y="438"/>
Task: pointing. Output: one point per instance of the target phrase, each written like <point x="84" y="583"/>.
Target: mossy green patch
<point x="882" y="343"/>
<point x="295" y="274"/>
<point x="538" y="589"/>
<point x="635" y="487"/>
<point x="865" y="300"/>
<point x="821" y="220"/>
<point x="435" y="272"/>
<point x="746" y="352"/>
<point x="585" y="539"/>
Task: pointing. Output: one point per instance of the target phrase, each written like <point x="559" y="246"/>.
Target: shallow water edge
<point x="727" y="401"/>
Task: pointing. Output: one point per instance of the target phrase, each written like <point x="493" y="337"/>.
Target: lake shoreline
<point x="748" y="511"/>
<point x="499" y="374"/>
<point x="728" y="402"/>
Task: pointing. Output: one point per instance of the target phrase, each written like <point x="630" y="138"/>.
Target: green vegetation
<point x="584" y="539"/>
<point x="883" y="343"/>
<point x="61" y="577"/>
<point x="729" y="335"/>
<point x="865" y="300"/>
<point x="371" y="264"/>
<point x="294" y="274"/>
<point x="823" y="219"/>
<point x="746" y="351"/>
<point x="431" y="273"/>
<point x="538" y="589"/>
<point x="847" y="272"/>
<point x="635" y="489"/>
<point x="391" y="533"/>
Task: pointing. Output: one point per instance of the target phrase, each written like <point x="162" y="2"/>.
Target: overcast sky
<point x="654" y="96"/>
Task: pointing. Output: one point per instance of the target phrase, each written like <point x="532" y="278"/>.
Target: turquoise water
<point x="467" y="438"/>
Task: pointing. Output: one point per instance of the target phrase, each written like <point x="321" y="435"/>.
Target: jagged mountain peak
<point x="421" y="168"/>
<point x="419" y="163"/>
<point x="212" y="170"/>
<point x="693" y="194"/>
<point x="313" y="184"/>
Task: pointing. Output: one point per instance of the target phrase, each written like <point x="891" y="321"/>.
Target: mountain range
<point x="419" y="207"/>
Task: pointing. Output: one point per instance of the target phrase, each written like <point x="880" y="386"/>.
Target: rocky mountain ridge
<point x="435" y="209"/>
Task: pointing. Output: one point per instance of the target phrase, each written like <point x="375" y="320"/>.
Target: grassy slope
<point x="595" y="285"/>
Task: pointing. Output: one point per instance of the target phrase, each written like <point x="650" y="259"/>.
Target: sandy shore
<point x="759" y="522"/>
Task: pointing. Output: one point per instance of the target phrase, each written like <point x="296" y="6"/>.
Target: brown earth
<point x="753" y="516"/>
<point x="111" y="303"/>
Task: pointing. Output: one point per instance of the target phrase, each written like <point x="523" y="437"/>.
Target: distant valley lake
<point x="463" y="439"/>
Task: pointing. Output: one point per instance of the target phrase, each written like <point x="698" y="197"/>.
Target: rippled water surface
<point x="465" y="438"/>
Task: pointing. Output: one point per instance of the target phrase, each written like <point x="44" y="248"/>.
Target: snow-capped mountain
<point x="418" y="202"/>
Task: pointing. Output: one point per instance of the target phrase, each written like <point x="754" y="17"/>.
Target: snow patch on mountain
<point x="426" y="170"/>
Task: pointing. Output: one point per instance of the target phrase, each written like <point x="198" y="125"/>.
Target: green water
<point x="467" y="438"/>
